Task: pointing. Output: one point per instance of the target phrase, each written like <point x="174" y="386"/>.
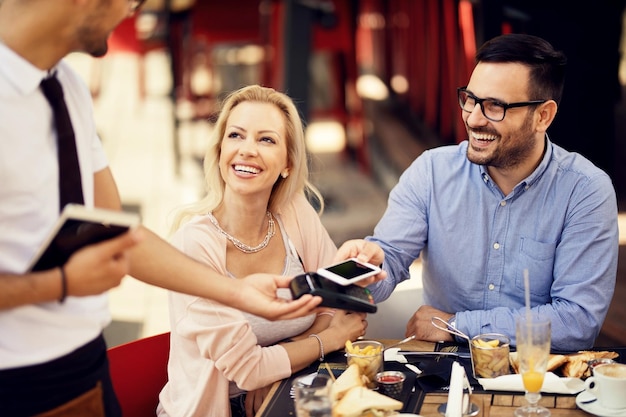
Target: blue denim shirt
<point x="560" y="223"/>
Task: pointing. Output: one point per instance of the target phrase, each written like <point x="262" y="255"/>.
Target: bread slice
<point x="573" y="365"/>
<point x="358" y="400"/>
<point x="350" y="378"/>
<point x="577" y="364"/>
<point x="554" y="362"/>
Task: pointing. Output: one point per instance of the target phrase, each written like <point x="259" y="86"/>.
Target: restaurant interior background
<point x="375" y="82"/>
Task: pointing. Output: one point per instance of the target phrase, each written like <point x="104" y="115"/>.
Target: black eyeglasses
<point x="493" y="110"/>
<point x="134" y="5"/>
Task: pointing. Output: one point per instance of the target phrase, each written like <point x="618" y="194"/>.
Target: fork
<point x="451" y="348"/>
<point x="444" y="351"/>
<point x="441" y="353"/>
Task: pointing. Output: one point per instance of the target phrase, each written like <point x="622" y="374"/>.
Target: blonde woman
<point x="255" y="217"/>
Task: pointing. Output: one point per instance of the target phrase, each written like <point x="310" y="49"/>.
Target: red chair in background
<point x="139" y="372"/>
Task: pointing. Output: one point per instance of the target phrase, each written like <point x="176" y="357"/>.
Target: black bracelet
<point x="63" y="285"/>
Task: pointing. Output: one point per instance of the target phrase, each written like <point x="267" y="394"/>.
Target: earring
<point x="284" y="174"/>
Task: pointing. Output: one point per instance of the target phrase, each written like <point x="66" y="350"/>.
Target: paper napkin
<point x="455" y="396"/>
<point x="551" y="384"/>
<point x="391" y="354"/>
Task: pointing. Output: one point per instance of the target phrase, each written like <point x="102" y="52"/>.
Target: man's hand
<point x="421" y="326"/>
<point x="257" y="295"/>
<point x="101" y="266"/>
<point x="366" y="252"/>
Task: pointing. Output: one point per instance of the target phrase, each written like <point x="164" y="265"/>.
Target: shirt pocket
<point x="538" y="258"/>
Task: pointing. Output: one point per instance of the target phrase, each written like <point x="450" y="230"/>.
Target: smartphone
<point x="349" y="271"/>
<point x="345" y="297"/>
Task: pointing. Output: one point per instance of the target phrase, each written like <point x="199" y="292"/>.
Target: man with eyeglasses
<point x="52" y="353"/>
<point x="505" y="201"/>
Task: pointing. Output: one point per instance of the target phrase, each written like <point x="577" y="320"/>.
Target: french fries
<point x="368" y="357"/>
<point x="487" y="343"/>
<point x="490" y="355"/>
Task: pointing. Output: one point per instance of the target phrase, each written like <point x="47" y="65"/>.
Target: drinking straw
<point x="527" y="294"/>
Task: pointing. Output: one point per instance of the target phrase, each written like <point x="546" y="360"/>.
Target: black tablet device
<point x="345" y="297"/>
<point x="77" y="227"/>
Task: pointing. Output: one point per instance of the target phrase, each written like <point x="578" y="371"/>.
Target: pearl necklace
<point x="271" y="230"/>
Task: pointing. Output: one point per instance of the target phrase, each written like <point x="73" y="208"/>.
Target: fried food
<point x="577" y="365"/>
<point x="554" y="362"/>
<point x="573" y="365"/>
<point x="368" y="357"/>
<point x="490" y="357"/>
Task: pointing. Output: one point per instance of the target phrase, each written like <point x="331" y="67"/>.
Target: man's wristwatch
<point x="452" y="322"/>
<point x="452" y="325"/>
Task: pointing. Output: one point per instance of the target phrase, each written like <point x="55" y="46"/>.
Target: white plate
<point x="595" y="408"/>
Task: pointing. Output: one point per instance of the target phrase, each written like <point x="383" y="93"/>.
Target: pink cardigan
<point x="212" y="344"/>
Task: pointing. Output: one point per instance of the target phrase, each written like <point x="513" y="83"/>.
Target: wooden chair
<point x="139" y="372"/>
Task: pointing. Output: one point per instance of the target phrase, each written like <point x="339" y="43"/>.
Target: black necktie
<point x="70" y="184"/>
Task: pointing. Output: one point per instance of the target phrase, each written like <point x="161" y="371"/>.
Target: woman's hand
<point x="344" y="326"/>
<point x="254" y="399"/>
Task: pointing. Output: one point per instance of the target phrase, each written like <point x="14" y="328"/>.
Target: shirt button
<point x="496" y="245"/>
<point x="526" y="187"/>
<point x="503" y="203"/>
<point x="491" y="286"/>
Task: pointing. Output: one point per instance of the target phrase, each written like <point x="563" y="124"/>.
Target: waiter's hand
<point x="257" y="295"/>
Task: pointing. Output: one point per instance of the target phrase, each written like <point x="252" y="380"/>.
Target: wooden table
<point x="501" y="405"/>
<point x="491" y="404"/>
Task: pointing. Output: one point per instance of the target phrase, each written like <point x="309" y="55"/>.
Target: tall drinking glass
<point x="533" y="351"/>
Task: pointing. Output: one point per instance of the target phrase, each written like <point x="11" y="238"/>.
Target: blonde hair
<point x="285" y="189"/>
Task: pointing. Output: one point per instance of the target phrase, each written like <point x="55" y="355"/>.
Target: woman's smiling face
<point x="253" y="152"/>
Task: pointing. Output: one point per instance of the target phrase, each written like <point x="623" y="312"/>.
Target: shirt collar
<point x="23" y="76"/>
<point x="543" y="165"/>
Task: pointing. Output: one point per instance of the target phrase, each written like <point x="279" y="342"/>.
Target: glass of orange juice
<point x="533" y="337"/>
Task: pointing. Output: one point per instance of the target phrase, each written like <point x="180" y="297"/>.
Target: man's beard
<point x="93" y="38"/>
<point x="99" y="52"/>
<point x="515" y="150"/>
